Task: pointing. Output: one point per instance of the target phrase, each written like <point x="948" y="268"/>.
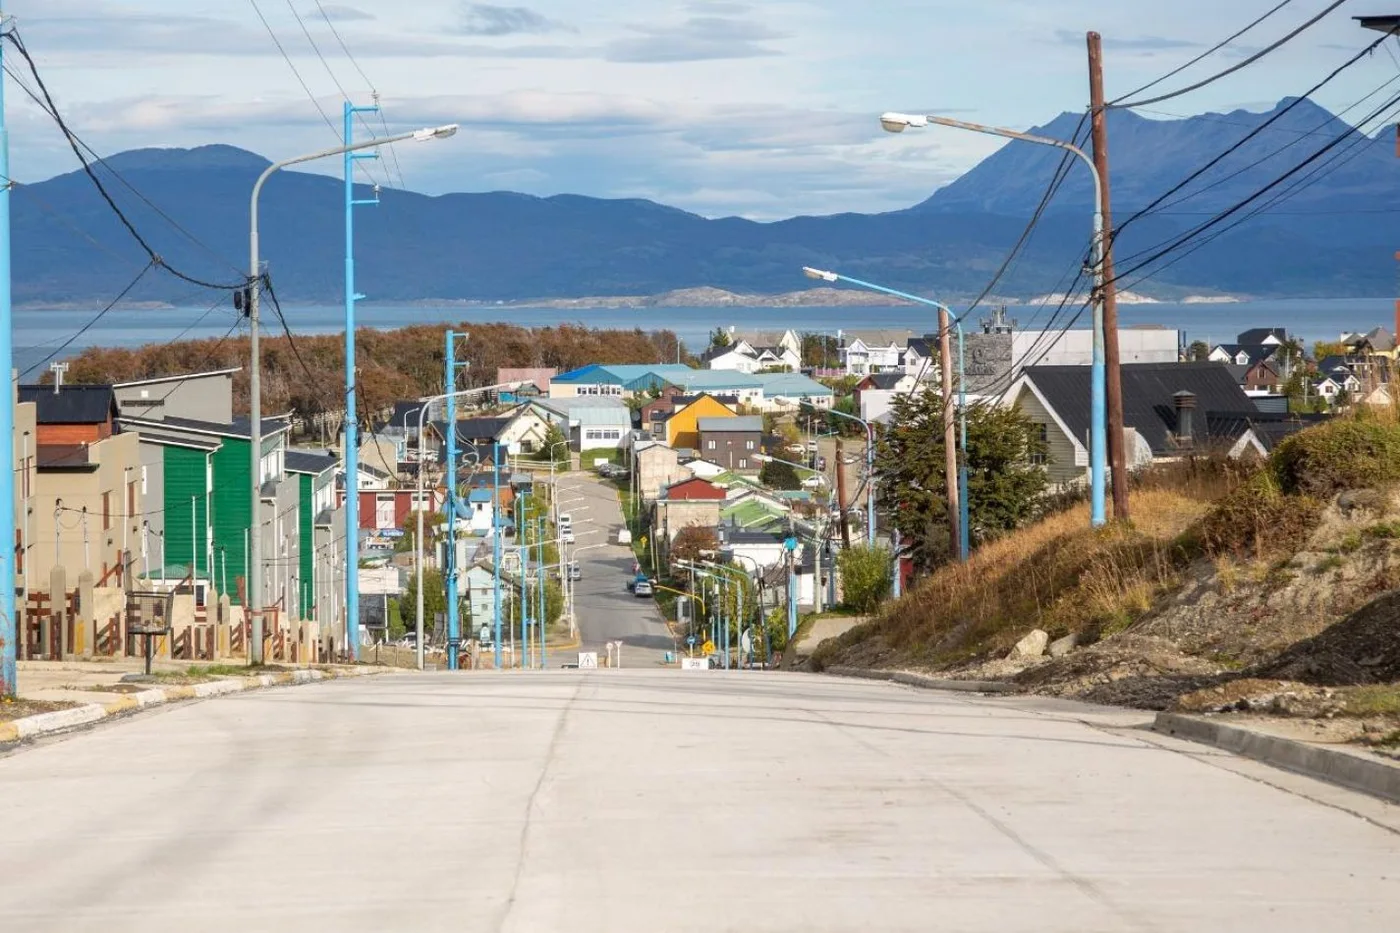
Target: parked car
<point x="575" y="570"/>
<point x="643" y="589"/>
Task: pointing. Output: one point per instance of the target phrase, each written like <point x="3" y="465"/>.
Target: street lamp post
<point x="254" y="587"/>
<point x="869" y="472"/>
<point x="964" y="537"/>
<point x="1098" y="433"/>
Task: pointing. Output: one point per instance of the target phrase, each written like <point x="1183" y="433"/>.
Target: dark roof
<point x="680" y="401"/>
<point x="1148" y="405"/>
<point x="239" y="427"/>
<point x="1328" y="364"/>
<point x="1268" y="427"/>
<point x="884" y="381"/>
<point x="305" y="461"/>
<point x="156" y="437"/>
<point x="1257" y="335"/>
<point x="406" y="414"/>
<point x="1237" y="372"/>
<point x="71" y="404"/>
<point x="1256" y="352"/>
<point x="926" y="346"/>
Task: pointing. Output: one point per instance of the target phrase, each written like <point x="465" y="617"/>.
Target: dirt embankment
<point x="1280" y="593"/>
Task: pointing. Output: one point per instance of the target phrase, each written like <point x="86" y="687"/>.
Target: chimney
<point x="1185" y="405"/>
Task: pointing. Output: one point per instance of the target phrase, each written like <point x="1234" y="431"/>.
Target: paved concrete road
<point x="639" y="801"/>
<point x="607" y="610"/>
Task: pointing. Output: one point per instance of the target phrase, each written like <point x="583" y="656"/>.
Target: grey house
<point x="733" y="443"/>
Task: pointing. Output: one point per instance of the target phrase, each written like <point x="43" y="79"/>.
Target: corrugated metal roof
<point x="71" y="404"/>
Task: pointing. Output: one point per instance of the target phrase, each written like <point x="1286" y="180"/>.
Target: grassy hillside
<point x="1286" y="571"/>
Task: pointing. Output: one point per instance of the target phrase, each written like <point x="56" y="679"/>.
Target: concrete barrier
<point x="1334" y="766"/>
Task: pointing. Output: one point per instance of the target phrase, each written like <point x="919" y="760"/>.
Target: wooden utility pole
<point x="950" y="444"/>
<point x="841" y="494"/>
<point x="1117" y="458"/>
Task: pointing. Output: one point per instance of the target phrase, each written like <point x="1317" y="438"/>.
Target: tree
<point x="1005" y="483"/>
<point x="691" y="540"/>
<point x="820" y="350"/>
<point x="434" y="598"/>
<point x="555" y="446"/>
<point x="866" y="576"/>
<point x="719" y="337"/>
<point x="1325" y="348"/>
<point x="778" y="475"/>
<point x="1198" y="352"/>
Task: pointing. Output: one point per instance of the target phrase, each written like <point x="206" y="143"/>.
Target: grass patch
<point x="1359" y="452"/>
<point x="1059" y="575"/>
<point x="1373" y="701"/>
<point x="1331" y="562"/>
<point x="12" y="708"/>
<point x="1383" y="531"/>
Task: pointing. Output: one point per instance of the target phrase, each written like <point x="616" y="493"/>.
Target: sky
<point x="722" y="107"/>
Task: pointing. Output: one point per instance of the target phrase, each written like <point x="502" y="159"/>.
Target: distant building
<point x="732" y="442"/>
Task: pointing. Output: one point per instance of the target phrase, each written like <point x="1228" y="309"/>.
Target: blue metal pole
<point x="524" y="601"/>
<point x="544" y="603"/>
<point x="964" y="509"/>
<point x="9" y="622"/>
<point x="454" y="635"/>
<point x="1098" y="430"/>
<point x="497" y="528"/>
<point x="352" y="450"/>
<point x="792" y="594"/>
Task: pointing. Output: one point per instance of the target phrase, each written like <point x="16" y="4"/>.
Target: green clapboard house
<point x="201" y="473"/>
<point x="315" y="476"/>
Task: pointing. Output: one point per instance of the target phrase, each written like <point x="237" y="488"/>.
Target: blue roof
<point x="480" y="494"/>
<point x="790" y="384"/>
<point x="712" y="380"/>
<point x="621" y="374"/>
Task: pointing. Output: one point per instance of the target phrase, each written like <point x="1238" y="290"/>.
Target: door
<point x="384" y="512"/>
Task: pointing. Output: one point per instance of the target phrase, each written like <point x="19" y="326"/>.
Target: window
<point x="143" y="479"/>
<point x="748" y="445"/>
<point x="106" y="510"/>
<point x="743" y="464"/>
<point x="1042" y="433"/>
<point x="130" y="500"/>
<point x="709" y="445"/>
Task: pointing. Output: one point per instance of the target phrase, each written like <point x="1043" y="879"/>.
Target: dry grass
<point x="1059" y="575"/>
<point x="1374" y="700"/>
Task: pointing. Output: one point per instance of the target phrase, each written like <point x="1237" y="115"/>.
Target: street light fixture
<point x="964" y="536"/>
<point x="254" y="587"/>
<point x="894" y="122"/>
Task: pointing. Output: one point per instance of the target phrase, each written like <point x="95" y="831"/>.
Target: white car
<point x="813" y="481"/>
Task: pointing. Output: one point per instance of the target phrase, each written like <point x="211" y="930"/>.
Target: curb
<point x="924" y="682"/>
<point x="1335" y="767"/>
<point x="57" y="721"/>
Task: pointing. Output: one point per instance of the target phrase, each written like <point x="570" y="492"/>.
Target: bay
<point x="40" y="332"/>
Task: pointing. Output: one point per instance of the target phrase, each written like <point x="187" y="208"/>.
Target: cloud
<point x="340" y="13"/>
<point x="482" y="19"/>
<point x="699" y="38"/>
<point x="718" y="7"/>
<point x="1139" y="44"/>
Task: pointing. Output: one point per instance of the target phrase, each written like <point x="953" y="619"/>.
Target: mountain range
<point x="1335" y="234"/>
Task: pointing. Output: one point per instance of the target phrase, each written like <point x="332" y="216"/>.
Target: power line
<point x="97" y="317"/>
<point x="1204" y="55"/>
<point x="96" y="157"/>
<point x="292" y="65"/>
<point x="1118" y="104"/>
<point x="1240" y="143"/>
<point x="331" y="72"/>
<point x="52" y="110"/>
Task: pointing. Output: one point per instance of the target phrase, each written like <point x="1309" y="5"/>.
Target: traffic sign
<point x="588" y="660"/>
<point x="690" y="640"/>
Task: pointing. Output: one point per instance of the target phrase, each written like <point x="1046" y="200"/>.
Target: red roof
<point x="691" y="489"/>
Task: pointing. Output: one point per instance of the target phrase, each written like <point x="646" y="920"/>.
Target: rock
<point x="1361" y="500"/>
<point x="1063" y="646"/>
<point x="1032" y="646"/>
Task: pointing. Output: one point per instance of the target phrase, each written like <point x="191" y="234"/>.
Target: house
<point x="784" y="341"/>
<point x="589" y="422"/>
<point x="202" y="474"/>
<point x="683" y="427"/>
<point x="84" y="493"/>
<point x="1262" y="377"/>
<point x="898" y="381"/>
<point x="1375" y="342"/>
<point x="481" y="502"/>
<point x="651" y="417"/>
<point x="684" y="503"/>
<point x="536" y="379"/>
<point x="872" y="351"/>
<point x="742" y="356"/>
<point x="1243" y="354"/>
<point x="478" y="589"/>
<point x="1167" y="408"/>
<point x="790" y="391"/>
<point x="748" y="389"/>
<point x="1264" y="336"/>
<point x="701" y="468"/>
<point x="920" y="358"/>
<point x="656" y="466"/>
<point x="619" y="381"/>
<point x="733" y="442"/>
<point x="207" y="396"/>
<point x="314" y="471"/>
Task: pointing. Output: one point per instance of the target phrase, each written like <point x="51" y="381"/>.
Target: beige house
<point x="657" y="466"/>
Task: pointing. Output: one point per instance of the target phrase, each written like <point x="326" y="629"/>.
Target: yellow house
<point x="683" y="428"/>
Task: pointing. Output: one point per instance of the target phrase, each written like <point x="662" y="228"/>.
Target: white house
<point x="921" y="357"/>
<point x="873" y="351"/>
<point x="741" y="356"/>
<point x="590" y="422"/>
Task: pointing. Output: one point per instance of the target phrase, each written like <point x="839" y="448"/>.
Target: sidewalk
<point x="58" y="695"/>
